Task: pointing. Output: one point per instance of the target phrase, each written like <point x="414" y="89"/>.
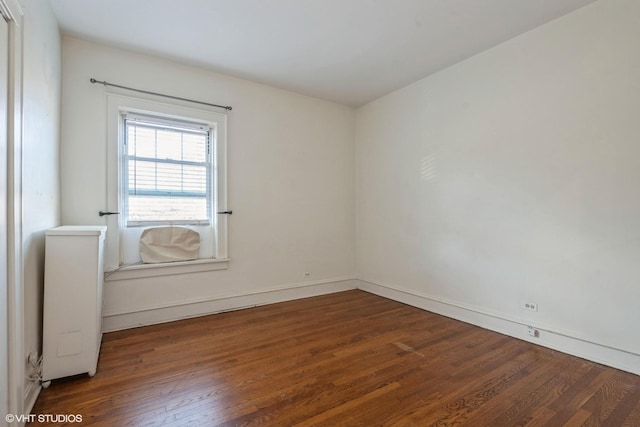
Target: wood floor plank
<point x="578" y="419"/>
<point x="606" y="399"/>
<point x="634" y="417"/>
<point x="522" y="412"/>
<point x="344" y="359"/>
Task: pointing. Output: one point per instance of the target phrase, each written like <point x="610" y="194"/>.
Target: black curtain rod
<point x="226" y="107"/>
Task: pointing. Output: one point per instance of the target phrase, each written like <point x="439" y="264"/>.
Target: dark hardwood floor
<point x="345" y="359"/>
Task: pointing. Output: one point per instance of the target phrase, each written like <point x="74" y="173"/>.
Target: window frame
<point x="116" y="106"/>
<point x="209" y="165"/>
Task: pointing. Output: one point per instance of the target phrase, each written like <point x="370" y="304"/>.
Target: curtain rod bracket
<point x="105" y="84"/>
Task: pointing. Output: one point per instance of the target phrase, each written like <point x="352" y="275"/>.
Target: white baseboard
<point x="31" y="393"/>
<point x="144" y="316"/>
<point x="556" y="340"/>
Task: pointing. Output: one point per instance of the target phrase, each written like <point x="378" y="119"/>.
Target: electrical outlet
<point x="533" y="332"/>
<point x="531" y="306"/>
<point x="307" y="275"/>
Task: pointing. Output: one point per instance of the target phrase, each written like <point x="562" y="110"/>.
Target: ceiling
<point x="347" y="51"/>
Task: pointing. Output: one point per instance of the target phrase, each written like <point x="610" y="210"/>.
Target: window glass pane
<point x="146" y="208"/>
<point x="195" y="147"/>
<point x="141" y="141"/>
<point x="142" y="175"/>
<point x="169" y="144"/>
<point x="169" y="177"/>
<point x="195" y="178"/>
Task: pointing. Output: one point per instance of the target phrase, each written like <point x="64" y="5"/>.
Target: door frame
<point x="14" y="16"/>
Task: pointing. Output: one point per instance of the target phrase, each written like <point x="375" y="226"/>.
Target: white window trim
<point x="116" y="104"/>
<point x="138" y="271"/>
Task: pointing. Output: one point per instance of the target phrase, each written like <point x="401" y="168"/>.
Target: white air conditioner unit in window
<point x="169" y="244"/>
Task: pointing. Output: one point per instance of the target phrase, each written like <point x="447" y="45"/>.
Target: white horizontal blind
<point x="166" y="172"/>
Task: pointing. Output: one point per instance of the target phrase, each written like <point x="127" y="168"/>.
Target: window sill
<point x="140" y="271"/>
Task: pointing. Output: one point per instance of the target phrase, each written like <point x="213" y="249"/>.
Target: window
<point x="166" y="166"/>
<point x="166" y="172"/>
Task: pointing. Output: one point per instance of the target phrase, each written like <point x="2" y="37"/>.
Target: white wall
<point x="514" y="176"/>
<point x="40" y="159"/>
<point x="291" y="178"/>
